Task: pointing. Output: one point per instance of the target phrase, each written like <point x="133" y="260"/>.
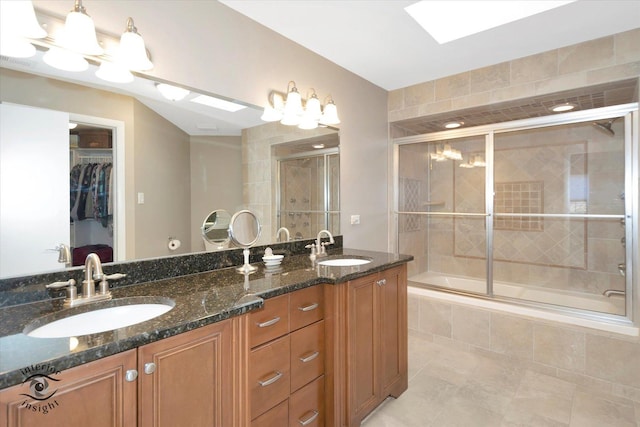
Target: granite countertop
<point x="200" y="299"/>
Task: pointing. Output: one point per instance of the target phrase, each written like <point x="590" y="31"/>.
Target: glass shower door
<point x="558" y="227"/>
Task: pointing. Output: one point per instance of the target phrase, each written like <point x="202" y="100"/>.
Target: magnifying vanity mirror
<point x="244" y="231"/>
<point x="215" y="230"/>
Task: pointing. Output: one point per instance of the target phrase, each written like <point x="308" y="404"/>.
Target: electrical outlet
<point x="355" y="219"/>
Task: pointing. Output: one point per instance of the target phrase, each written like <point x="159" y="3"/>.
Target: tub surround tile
<point x="419" y="94"/>
<point x="200" y="299"/>
<point x="626" y="45"/>
<point x="597" y="53"/>
<point x="488" y="78"/>
<point x="452" y="86"/>
<point x="535" y="67"/>
<point x="471" y="326"/>
<point x="512" y="336"/>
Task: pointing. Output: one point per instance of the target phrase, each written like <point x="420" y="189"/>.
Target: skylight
<point x="446" y="20"/>
<point x="218" y="103"/>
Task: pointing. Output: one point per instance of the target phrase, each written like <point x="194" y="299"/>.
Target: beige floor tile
<point x="594" y="411"/>
<point x="460" y="412"/>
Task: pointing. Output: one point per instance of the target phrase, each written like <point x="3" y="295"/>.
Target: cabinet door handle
<point x="309" y="307"/>
<point x="149" y="368"/>
<point x="381" y="282"/>
<point x="268" y="322"/>
<point x="309" y="420"/>
<point x="131" y="375"/>
<point x="310" y="357"/>
<point x="271" y="380"/>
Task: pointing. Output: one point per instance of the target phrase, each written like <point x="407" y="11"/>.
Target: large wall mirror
<point x="174" y="162"/>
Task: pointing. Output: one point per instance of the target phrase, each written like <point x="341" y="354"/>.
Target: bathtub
<point x="424" y="284"/>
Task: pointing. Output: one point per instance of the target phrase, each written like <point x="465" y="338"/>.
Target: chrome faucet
<point x="321" y="245"/>
<point x="610" y="292"/>
<point x="286" y="233"/>
<point x="92" y="272"/>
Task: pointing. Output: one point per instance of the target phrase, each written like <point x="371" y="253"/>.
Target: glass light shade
<point x="16" y="47"/>
<point x="313" y="111"/>
<point x="172" y="93"/>
<point x="270" y="114"/>
<point x="64" y="60"/>
<point x="330" y="115"/>
<point x="290" y="119"/>
<point x="308" y="123"/>
<point x="132" y="52"/>
<point x="79" y="35"/>
<point x="18" y="19"/>
<point x="293" y="105"/>
<point x="114" y="72"/>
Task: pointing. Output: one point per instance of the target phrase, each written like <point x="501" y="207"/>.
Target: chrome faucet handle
<point x="58" y="285"/>
<point x="70" y="285"/>
<point x="115" y="276"/>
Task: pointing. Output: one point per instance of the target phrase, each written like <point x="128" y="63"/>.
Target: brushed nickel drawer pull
<point x="381" y="282"/>
<point x="309" y="307"/>
<point x="310" y="419"/>
<point x="271" y="380"/>
<point x="310" y="357"/>
<point x="268" y="322"/>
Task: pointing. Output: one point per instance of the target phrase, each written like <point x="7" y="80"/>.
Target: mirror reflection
<point x="165" y="179"/>
<point x="215" y="230"/>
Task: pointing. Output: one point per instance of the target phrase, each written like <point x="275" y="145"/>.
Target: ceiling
<point x="380" y="42"/>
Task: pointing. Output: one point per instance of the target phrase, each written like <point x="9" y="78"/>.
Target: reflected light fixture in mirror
<point x="79" y="32"/>
<point x="18" y="23"/>
<point x="172" y="93"/>
<point x="294" y="112"/>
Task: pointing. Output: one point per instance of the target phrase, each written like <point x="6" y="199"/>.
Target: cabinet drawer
<point x="270" y="322"/>
<point x="307" y="354"/>
<point x="307" y="306"/>
<point x="277" y="416"/>
<point x="269" y="375"/>
<point x="306" y="406"/>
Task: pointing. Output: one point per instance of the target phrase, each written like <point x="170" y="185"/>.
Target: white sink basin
<point x="97" y="320"/>
<point x="344" y="262"/>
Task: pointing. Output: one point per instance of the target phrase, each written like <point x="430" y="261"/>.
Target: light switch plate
<point x="355" y="219"/>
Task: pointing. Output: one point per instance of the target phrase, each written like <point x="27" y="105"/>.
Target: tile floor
<point x="452" y="387"/>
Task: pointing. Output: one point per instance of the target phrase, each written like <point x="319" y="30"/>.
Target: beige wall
<point x="162" y="163"/>
<point x="216" y="180"/>
<point x="206" y="45"/>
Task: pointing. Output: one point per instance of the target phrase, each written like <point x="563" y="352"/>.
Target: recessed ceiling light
<point x="451" y="20"/>
<point x="318" y="146"/>
<point x="453" y="125"/>
<point x="72" y="125"/>
<point x="218" y="103"/>
<point x="560" y="108"/>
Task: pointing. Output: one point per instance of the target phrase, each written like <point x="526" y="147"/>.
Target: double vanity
<point x="311" y="342"/>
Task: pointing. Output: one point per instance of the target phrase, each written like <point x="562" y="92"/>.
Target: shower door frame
<point x="629" y="113"/>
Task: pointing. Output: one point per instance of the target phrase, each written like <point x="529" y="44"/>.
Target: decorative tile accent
<point x="524" y="197"/>
<point x="409" y="202"/>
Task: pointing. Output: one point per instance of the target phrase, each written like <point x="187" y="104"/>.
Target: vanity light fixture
<point x="73" y="43"/>
<point x="18" y="23"/>
<point x="561" y="108"/>
<point x="79" y="32"/>
<point x="292" y="111"/>
<point x="172" y="93"/>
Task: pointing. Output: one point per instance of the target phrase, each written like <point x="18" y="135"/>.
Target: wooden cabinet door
<point x="393" y="331"/>
<point x="95" y="394"/>
<point x="186" y="380"/>
<point x="363" y="351"/>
